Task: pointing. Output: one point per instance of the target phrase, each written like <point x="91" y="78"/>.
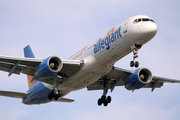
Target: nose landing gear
<point x="135" y="49"/>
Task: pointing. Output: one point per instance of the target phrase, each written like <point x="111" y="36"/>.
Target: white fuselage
<point x="100" y="56"/>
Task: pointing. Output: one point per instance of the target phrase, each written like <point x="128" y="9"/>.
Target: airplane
<point x="51" y="79"/>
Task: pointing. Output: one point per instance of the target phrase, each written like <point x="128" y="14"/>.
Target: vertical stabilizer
<point x="28" y="53"/>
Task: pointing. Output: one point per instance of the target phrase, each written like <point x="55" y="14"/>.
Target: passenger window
<point x="139" y="20"/>
<point x="135" y="21"/>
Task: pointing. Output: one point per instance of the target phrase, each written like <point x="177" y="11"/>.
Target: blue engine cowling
<point x="140" y="78"/>
<point x="49" y="67"/>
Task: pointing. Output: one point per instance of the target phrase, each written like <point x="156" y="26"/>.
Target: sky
<point x="62" y="28"/>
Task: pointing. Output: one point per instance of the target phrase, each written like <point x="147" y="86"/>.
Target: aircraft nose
<point x="150" y="29"/>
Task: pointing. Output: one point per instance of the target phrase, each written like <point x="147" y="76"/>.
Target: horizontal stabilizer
<point x="64" y="100"/>
<point x="13" y="94"/>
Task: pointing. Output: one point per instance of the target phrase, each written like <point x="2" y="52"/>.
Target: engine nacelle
<point x="49" y="67"/>
<point x="140" y="78"/>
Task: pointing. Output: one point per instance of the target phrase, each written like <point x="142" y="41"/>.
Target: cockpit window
<point x="139" y="20"/>
<point x="135" y="21"/>
<point x="152" y="20"/>
<point x="143" y="20"/>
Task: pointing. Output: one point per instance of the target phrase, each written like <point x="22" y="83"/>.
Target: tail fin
<point x="28" y="53"/>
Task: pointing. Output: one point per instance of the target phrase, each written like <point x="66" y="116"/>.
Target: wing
<point x="18" y="65"/>
<point x="13" y="94"/>
<point x="118" y="77"/>
<point x="28" y="66"/>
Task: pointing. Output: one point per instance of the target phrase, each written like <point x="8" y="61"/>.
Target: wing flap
<point x="28" y="71"/>
<point x="98" y="85"/>
<point x="118" y="73"/>
<point x="159" y="84"/>
<point x="17" y="65"/>
<point x="13" y="94"/>
<point x="117" y="77"/>
<point x="7" y="67"/>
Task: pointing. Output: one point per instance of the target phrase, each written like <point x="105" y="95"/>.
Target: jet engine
<point x="140" y="78"/>
<point x="49" y="67"/>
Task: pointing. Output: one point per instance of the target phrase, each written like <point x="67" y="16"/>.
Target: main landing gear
<point x="54" y="94"/>
<point x="135" y="49"/>
<point x="104" y="100"/>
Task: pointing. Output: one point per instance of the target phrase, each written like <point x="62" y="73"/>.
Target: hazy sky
<point x="62" y="28"/>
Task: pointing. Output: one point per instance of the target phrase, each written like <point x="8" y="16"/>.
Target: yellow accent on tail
<point x="29" y="81"/>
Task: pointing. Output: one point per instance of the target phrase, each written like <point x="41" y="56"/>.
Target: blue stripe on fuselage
<point x="38" y="94"/>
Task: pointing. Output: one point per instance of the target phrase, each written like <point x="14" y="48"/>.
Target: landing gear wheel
<point x="136" y="64"/>
<point x="109" y="99"/>
<point x="59" y="93"/>
<point x="132" y="63"/>
<point x="56" y="97"/>
<point x="105" y="103"/>
<point x="103" y="99"/>
<point x="54" y="94"/>
<point x="51" y="95"/>
<point x="99" y="102"/>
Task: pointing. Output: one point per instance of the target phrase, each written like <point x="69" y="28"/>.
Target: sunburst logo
<point x="110" y="31"/>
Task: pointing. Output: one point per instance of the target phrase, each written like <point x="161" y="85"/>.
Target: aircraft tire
<point x="59" y="93"/>
<point x="56" y="97"/>
<point x="105" y="103"/>
<point x="109" y="99"/>
<point x="136" y="64"/>
<point x="103" y="99"/>
<point x="132" y="63"/>
<point x="99" y="102"/>
<point x="51" y="95"/>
